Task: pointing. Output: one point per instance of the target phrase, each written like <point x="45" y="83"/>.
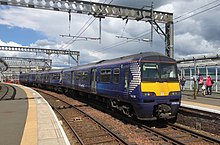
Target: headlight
<point x="149" y="94"/>
<point x="175" y="93"/>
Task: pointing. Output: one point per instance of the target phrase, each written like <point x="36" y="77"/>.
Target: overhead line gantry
<point x="105" y="10"/>
<point x="21" y="62"/>
<point x="42" y="50"/>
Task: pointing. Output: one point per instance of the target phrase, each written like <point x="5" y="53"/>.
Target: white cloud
<point x="7" y="53"/>
<point x="189" y="45"/>
<point x="11" y="43"/>
<point x="166" y="8"/>
<point x="189" y="34"/>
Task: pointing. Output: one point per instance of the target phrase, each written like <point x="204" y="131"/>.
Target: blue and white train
<point x="143" y="85"/>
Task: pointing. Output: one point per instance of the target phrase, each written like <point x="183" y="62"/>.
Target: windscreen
<point x="159" y="71"/>
<point x="150" y="70"/>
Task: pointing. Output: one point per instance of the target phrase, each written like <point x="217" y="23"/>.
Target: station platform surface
<point x="29" y="120"/>
<point x="209" y="103"/>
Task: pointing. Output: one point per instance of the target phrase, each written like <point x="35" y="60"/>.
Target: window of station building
<point x="105" y="75"/>
<point x="218" y="74"/>
<point x="212" y="72"/>
<point x="187" y="72"/>
<point x="116" y="75"/>
<point x="202" y="71"/>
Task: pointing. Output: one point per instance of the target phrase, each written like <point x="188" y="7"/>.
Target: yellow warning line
<point x="30" y="131"/>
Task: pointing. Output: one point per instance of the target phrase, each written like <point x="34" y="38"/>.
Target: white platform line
<point x="200" y="108"/>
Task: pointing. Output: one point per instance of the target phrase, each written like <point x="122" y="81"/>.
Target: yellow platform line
<point x="30" y="131"/>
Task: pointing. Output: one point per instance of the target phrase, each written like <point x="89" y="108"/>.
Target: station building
<point x="204" y="65"/>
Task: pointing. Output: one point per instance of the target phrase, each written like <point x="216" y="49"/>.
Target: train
<point x="144" y="85"/>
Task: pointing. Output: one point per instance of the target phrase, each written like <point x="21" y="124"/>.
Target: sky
<point x="196" y="29"/>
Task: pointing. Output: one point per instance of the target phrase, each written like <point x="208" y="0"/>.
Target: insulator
<point x="48" y="3"/>
<point x="31" y="2"/>
<point x="74" y="6"/>
<point x="55" y="5"/>
<point x="63" y="5"/>
<point x="70" y="6"/>
<point x="22" y="1"/>
<point x="39" y="3"/>
<point x="14" y="1"/>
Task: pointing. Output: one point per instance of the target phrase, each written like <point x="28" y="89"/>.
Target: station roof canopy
<point x="199" y="61"/>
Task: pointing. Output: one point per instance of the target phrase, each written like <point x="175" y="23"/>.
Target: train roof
<point x="143" y="56"/>
<point x="124" y="59"/>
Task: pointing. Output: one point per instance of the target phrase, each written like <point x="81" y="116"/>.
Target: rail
<point x="8" y="92"/>
<point x="86" y="129"/>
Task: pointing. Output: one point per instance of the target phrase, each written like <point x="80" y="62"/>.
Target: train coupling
<point x="163" y="111"/>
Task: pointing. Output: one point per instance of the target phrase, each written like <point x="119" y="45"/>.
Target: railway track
<point x="200" y="120"/>
<point x="175" y="134"/>
<point x="167" y="133"/>
<point x="8" y="92"/>
<point x="85" y="128"/>
<point x="159" y="133"/>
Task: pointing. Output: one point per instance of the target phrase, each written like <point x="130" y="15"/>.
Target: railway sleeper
<point x="92" y="134"/>
<point x="100" y="141"/>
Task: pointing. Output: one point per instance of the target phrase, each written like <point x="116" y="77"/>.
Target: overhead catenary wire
<point x="198" y="13"/>
<point x="126" y="22"/>
<point x="196" y="9"/>
<point x="148" y="32"/>
<point x="84" y="28"/>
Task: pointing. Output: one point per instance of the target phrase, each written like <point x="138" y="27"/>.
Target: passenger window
<point x="78" y="75"/>
<point x="116" y="76"/>
<point x="105" y="75"/>
<point x="56" y="76"/>
<point x="85" y="76"/>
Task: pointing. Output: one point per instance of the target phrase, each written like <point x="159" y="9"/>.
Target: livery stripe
<point x="136" y="73"/>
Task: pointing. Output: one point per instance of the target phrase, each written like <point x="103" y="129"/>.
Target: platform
<point x="209" y="103"/>
<point x="29" y="120"/>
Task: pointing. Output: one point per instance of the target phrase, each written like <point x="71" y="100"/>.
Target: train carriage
<point x="144" y="85"/>
<point x="24" y="79"/>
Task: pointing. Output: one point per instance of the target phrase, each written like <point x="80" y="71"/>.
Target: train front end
<point x="159" y="89"/>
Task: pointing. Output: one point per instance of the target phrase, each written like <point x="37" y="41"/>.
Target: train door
<point x="72" y="80"/>
<point x="126" y="80"/>
<point x="93" y="79"/>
